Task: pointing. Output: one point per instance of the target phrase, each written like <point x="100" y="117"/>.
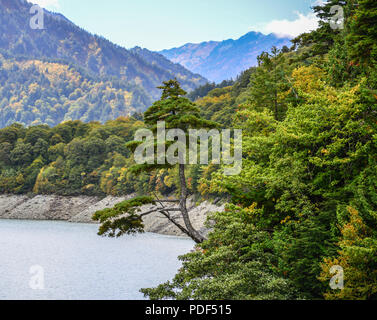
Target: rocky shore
<point x="81" y="208"/>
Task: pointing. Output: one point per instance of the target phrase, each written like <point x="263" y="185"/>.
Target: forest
<point x="37" y="92"/>
<point x="306" y="199"/>
<point x="77" y="158"/>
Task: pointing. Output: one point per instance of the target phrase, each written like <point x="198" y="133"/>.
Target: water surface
<point x="78" y="264"/>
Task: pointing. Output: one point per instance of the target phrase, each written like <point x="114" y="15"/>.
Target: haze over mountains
<point x="224" y="60"/>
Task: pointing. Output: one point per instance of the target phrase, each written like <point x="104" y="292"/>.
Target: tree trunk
<point x="195" y="235"/>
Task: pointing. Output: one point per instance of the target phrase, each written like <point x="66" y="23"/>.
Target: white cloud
<point x="287" y="28"/>
<point x="319" y="2"/>
<point x="47" y="3"/>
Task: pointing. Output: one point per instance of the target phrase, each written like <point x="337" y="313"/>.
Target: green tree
<point x="362" y="37"/>
<point x="268" y="82"/>
<point x="303" y="172"/>
<point x="235" y="263"/>
<point x="323" y="39"/>
<point x="5" y="149"/>
<point x="358" y="257"/>
<point x="177" y="112"/>
<point x="22" y="153"/>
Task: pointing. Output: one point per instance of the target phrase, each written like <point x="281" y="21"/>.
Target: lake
<point x="61" y="260"/>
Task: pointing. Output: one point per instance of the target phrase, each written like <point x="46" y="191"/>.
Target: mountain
<point x="224" y="60"/>
<point x="61" y="39"/>
<point x="34" y="92"/>
<point x="159" y="61"/>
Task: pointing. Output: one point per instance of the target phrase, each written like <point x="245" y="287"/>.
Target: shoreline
<point x="79" y="209"/>
<point x="183" y="236"/>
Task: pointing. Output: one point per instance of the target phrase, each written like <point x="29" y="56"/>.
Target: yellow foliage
<point x="308" y="79"/>
<point x="354" y="257"/>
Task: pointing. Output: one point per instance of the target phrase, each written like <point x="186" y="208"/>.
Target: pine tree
<point x="268" y="82"/>
<point x="177" y="112"/>
<point x="363" y="32"/>
<point x="325" y="36"/>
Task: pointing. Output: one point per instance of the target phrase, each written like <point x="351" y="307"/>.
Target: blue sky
<point x="163" y="24"/>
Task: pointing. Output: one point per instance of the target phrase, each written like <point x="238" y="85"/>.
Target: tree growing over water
<point x="177" y="112"/>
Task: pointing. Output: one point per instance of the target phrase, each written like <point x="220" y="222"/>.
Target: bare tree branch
<point x="167" y="215"/>
<point x="165" y="212"/>
<point x="179" y="226"/>
<point x="148" y="212"/>
<point x="158" y="210"/>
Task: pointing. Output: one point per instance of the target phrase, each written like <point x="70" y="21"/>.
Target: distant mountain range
<point x="63" y="40"/>
<point x="224" y="60"/>
<point x="66" y="73"/>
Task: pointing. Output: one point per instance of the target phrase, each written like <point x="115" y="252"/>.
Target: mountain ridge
<point x="224" y="60"/>
<point x="62" y="39"/>
<point x="96" y="80"/>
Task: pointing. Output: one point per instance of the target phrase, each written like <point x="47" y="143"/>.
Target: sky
<point x="164" y="24"/>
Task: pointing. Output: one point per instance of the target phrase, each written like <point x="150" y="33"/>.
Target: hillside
<point x="36" y="92"/>
<point x="224" y="60"/>
<point x="61" y="39"/>
<point x="157" y="60"/>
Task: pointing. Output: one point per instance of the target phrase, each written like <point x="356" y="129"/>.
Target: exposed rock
<point x="47" y="207"/>
<point x="86" y="214"/>
<point x="81" y="208"/>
